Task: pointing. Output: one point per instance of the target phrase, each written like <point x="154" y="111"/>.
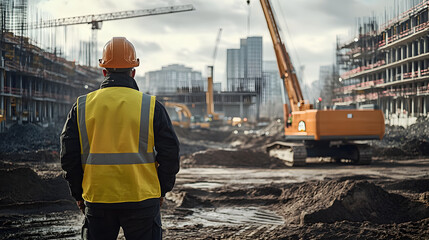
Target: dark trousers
<point x="138" y="224"/>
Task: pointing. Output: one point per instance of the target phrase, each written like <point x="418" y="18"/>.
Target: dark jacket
<point x="166" y="143"/>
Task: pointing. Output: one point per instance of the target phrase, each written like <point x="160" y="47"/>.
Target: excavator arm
<point x="284" y="63"/>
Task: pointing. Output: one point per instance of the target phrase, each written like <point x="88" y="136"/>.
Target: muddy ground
<point x="228" y="188"/>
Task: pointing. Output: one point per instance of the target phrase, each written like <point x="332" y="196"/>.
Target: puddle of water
<point x="59" y="225"/>
<point x="233" y="215"/>
<point x="203" y="185"/>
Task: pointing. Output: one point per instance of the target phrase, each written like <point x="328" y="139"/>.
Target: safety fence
<point x="404" y="34"/>
<point x="363" y="68"/>
<point x="415" y="74"/>
<point x="398" y="92"/>
<point x="360" y="49"/>
<point x="35" y="94"/>
<point x="362" y="84"/>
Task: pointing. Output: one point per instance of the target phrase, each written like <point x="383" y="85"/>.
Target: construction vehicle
<point x="183" y="117"/>
<point x="318" y="133"/>
<point x="209" y="94"/>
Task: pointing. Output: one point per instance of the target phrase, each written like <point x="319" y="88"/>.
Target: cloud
<point x="147" y="47"/>
<point x="310" y="28"/>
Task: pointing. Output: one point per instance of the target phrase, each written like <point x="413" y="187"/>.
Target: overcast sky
<point x="189" y="38"/>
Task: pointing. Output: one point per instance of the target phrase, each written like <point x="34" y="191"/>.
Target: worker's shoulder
<point x="158" y="105"/>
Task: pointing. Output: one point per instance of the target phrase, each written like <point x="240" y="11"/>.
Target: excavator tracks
<point x="292" y="154"/>
<point x="364" y="153"/>
<point x="295" y="154"/>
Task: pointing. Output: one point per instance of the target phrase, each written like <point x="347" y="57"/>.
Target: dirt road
<point x="225" y="191"/>
<point x="257" y="203"/>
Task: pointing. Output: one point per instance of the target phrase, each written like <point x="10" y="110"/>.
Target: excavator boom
<point x="286" y="70"/>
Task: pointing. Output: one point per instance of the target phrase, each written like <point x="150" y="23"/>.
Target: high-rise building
<point x="244" y="70"/>
<point x="271" y="95"/>
<point x="272" y="83"/>
<point x="173" y="78"/>
<point x="325" y="74"/>
<point x="244" y="66"/>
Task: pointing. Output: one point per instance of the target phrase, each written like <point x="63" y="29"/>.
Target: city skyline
<point x="189" y="37"/>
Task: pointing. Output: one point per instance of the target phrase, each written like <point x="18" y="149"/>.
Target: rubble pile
<point x="325" y="201"/>
<point x="201" y="134"/>
<point x="29" y="138"/>
<point x="234" y="159"/>
<point x="400" y="141"/>
<point x="26" y="189"/>
<point x="355" y="201"/>
<point x="257" y="139"/>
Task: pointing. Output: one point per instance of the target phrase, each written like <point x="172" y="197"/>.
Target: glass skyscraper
<point x="244" y="66"/>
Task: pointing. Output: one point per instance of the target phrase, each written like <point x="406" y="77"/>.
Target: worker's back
<point x="116" y="134"/>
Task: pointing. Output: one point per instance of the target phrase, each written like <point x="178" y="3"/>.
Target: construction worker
<point x="119" y="152"/>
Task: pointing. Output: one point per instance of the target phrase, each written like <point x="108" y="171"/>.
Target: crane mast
<point x="286" y="70"/>
<point x="209" y="93"/>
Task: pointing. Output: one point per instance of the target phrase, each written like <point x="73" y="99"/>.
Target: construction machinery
<point x="318" y="133"/>
<point x="209" y="94"/>
<point x="183" y="117"/>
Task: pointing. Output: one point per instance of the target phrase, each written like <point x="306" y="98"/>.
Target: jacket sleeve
<point x="70" y="154"/>
<point x="167" y="148"/>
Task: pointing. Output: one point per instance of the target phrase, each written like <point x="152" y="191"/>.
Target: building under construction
<point x="387" y="65"/>
<point x="35" y="85"/>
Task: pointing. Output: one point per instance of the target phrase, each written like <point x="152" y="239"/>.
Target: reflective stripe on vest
<point x="117" y="145"/>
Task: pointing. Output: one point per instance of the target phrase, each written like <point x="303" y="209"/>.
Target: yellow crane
<point x="209" y="93"/>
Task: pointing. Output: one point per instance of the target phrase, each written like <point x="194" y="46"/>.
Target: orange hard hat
<point x="119" y="53"/>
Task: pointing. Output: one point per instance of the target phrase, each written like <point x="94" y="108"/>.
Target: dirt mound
<point x="244" y="138"/>
<point x="29" y="138"/>
<point x="351" y="230"/>
<point x="21" y="185"/>
<point x="399" y="141"/>
<point x="356" y="201"/>
<point x="202" y="134"/>
<point x="412" y="185"/>
<point x="275" y="129"/>
<point x="234" y="159"/>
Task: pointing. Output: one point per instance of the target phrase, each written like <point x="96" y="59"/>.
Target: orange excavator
<point x="318" y="133"/>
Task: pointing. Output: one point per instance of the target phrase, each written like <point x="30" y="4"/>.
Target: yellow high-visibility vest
<point x="117" y="146"/>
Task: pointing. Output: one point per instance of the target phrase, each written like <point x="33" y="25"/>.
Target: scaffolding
<point x="35" y="85"/>
<point x="387" y="65"/>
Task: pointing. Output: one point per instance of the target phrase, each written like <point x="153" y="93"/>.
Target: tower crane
<point x="209" y="93"/>
<point x="96" y="20"/>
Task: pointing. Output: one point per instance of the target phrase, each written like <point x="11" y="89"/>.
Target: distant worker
<point x="119" y="152"/>
<point x="289" y="120"/>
